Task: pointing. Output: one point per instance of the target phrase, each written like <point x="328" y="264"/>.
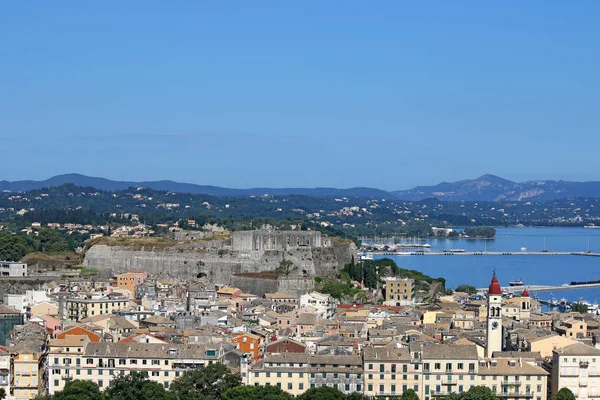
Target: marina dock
<point x="484" y="253"/>
<point x="543" y="288"/>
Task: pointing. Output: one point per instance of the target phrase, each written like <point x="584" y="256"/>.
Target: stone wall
<point x="219" y="263"/>
<point x="266" y="239"/>
<point x="296" y="285"/>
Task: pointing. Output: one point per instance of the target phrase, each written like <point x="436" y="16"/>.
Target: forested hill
<point x="485" y="188"/>
<point x="172" y="186"/>
<point x="61" y="204"/>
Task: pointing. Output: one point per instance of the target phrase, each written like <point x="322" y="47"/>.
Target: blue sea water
<point x="531" y="269"/>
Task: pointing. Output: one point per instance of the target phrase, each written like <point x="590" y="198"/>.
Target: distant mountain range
<point x="484" y="188"/>
<point x="107" y="184"/>
<point x="494" y="188"/>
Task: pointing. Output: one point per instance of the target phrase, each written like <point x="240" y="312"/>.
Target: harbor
<point x="461" y="252"/>
<point x="543" y="288"/>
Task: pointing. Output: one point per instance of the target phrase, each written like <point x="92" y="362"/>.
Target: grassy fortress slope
<point x="221" y="258"/>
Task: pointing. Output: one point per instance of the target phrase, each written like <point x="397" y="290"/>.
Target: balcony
<point x="583" y="383"/>
<point x="66" y="377"/>
<point x="515" y="395"/>
<point x="441" y="394"/>
<point x="584" y="364"/>
<point x="593" y="395"/>
<point x="449" y="382"/>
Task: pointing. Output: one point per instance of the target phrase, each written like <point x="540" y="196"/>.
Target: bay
<point x="531" y="269"/>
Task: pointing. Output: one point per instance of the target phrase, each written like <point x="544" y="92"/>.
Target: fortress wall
<point x="219" y="263"/>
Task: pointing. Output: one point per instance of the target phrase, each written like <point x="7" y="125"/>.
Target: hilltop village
<point x="394" y="340"/>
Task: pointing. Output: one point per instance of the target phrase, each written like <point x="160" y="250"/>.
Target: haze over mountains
<point x="484" y="188"/>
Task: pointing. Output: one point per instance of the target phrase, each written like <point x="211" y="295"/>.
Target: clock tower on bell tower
<point x="494" y="318"/>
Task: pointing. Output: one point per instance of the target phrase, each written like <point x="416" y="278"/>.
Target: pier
<point x="484" y="253"/>
<point x="543" y="288"/>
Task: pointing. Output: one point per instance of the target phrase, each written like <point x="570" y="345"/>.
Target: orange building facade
<point x="247" y="343"/>
<point x="130" y="279"/>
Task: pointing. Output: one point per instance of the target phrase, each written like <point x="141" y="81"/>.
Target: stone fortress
<point x="241" y="261"/>
<point x="268" y="239"/>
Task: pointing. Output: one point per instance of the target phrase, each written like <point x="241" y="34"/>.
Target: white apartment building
<point x="576" y="367"/>
<point x="13" y="269"/>
<point x="323" y="303"/>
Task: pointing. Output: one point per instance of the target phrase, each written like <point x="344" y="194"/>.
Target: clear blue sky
<point x="303" y="93"/>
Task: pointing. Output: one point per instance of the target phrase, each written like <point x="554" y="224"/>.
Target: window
<point x="460" y="366"/>
<point x="301" y="386"/>
<point x="121" y="361"/>
<point x="289" y="386"/>
<point x="438" y="366"/>
<point x="381" y="388"/>
<point x="381" y="368"/>
<point x="89" y="361"/>
<point x="393" y="389"/>
<point x="369" y="387"/>
<point x="371" y="365"/>
<point x="89" y="371"/>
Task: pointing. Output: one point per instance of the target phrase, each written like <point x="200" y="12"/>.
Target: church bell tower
<point x="494" y="318"/>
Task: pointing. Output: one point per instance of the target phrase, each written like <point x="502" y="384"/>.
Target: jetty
<point x="543" y="288"/>
<point x="485" y="253"/>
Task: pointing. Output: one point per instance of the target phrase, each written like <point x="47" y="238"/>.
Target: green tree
<point x="580" y="308"/>
<point x="564" y="394"/>
<point x="136" y="386"/>
<point x="79" y="390"/>
<point x="409" y="394"/>
<point x="356" y="396"/>
<point x="322" y="393"/>
<point x="286" y="267"/>
<point x="207" y="383"/>
<point x="48" y="239"/>
<point x="256" y="393"/>
<point x="466" y="289"/>
<point x="12" y="247"/>
<point x="2" y="394"/>
<point x="478" y="393"/>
